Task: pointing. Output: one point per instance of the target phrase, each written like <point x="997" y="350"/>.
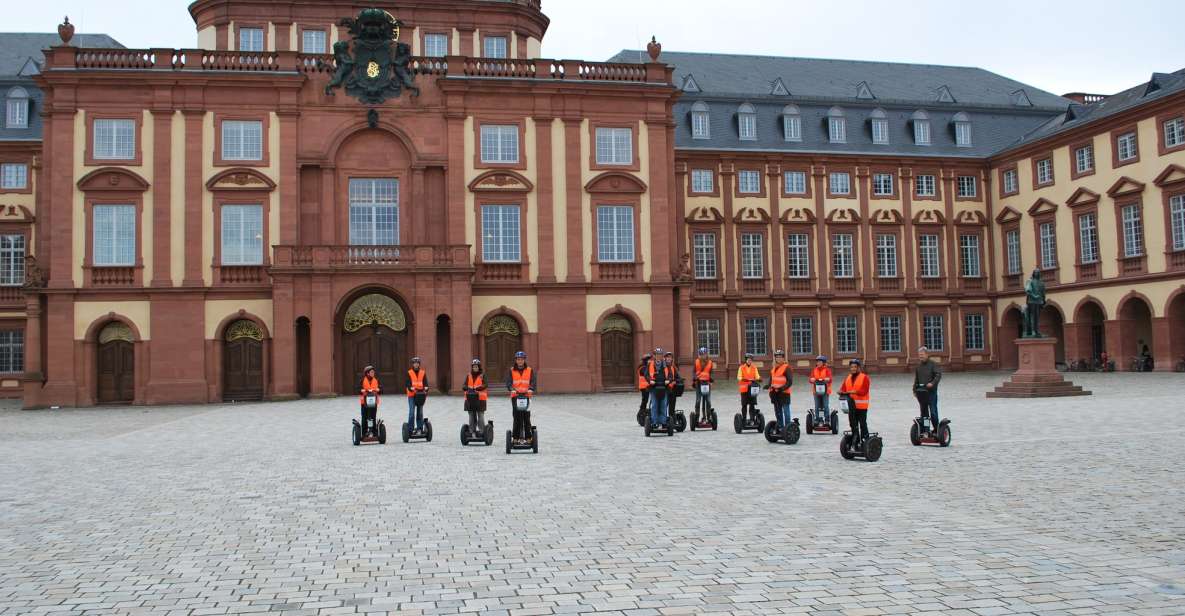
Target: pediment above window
<point x="970" y="217"/>
<point x="1172" y="174"/>
<point x="240" y="179"/>
<point x="1125" y="186"/>
<point x="112" y="179"/>
<point x="886" y="216"/>
<point x="1042" y="206"/>
<point x="1007" y="215"/>
<point x="705" y="214"/>
<point x="1082" y="197"/>
<point x="615" y="182"/>
<point x="843" y="216"/>
<point x="929" y="217"/>
<point x="501" y="181"/>
<point x="15" y="213"/>
<point x="751" y="215"/>
<point x="798" y="215"/>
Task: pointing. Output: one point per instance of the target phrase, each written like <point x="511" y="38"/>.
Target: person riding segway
<point x="704" y="416"/>
<point x="416" y="385"/>
<point x="371" y="429"/>
<point x="661" y="378"/>
<point x="854" y="394"/>
<point x="926" y="427"/>
<point x="784" y="428"/>
<point x="644" y="387"/>
<point x="476" y="394"/>
<point x="521" y="385"/>
<point x="821" y="419"/>
<point x="675" y="391"/>
<point x="749" y="383"/>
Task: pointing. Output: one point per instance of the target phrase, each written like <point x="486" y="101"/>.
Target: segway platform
<point x="788" y="436"/>
<point x="813" y="426"/>
<point x="418" y="435"/>
<point x="379" y="435"/>
<point x="667" y="429"/>
<point x="921" y="434"/>
<point x="756" y="422"/>
<point x="483" y="436"/>
<point x="532" y="444"/>
<point x="707" y="422"/>
<point x="870" y="449"/>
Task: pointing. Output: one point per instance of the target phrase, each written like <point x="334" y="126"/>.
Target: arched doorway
<point x="1175" y="313"/>
<point x="1135" y="333"/>
<point x="1092" y="332"/>
<point x="303" y="357"/>
<point x="374" y="331"/>
<point x="1052" y="325"/>
<point x="116" y="365"/>
<point x="1011" y="327"/>
<point x="503" y="338"/>
<point x="444" y="354"/>
<point x="617" y="352"/>
<point x="242" y="361"/>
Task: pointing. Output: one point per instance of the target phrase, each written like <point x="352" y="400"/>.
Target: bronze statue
<point x="376" y="66"/>
<point x="345" y="67"/>
<point x="1034" y="302"/>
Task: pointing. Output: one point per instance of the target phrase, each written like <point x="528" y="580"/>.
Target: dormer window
<point x="921" y="128"/>
<point x="880" y="126"/>
<point x="747" y="122"/>
<point x="962" y="130"/>
<point x="791" y="123"/>
<point x="837" y="129"/>
<point x="701" y="121"/>
<point x="17" y="107"/>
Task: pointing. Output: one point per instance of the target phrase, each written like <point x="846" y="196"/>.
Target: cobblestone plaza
<point x="1053" y="506"/>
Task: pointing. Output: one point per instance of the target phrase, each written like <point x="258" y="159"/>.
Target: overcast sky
<point x="1096" y="46"/>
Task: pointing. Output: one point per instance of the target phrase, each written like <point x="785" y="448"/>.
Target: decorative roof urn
<point x="66" y="30"/>
<point x="654" y="48"/>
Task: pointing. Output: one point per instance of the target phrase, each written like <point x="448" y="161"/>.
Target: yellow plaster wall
<point x="232" y="42"/>
<point x="456" y="42"/>
<point x="207" y="38"/>
<point x="470" y="198"/>
<point x="639" y="304"/>
<point x="586" y="219"/>
<point x="559" y="199"/>
<point x="415" y="41"/>
<point x="1157" y="293"/>
<point x="534" y="49"/>
<point x="525" y="305"/>
<point x="217" y="310"/>
<point x="177" y="202"/>
<point x="86" y="313"/>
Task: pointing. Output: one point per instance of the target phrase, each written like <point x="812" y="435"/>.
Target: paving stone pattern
<point x="1055" y="506"/>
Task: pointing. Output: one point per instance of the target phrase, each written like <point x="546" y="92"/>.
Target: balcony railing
<point x="1177" y="259"/>
<point x="500" y="272"/>
<point x="370" y="257"/>
<point x="754" y="286"/>
<point x="242" y="275"/>
<point x="12" y="295"/>
<point x="710" y="286"/>
<point x="1088" y="271"/>
<point x="1011" y="281"/>
<point x="932" y="283"/>
<point x="1132" y="265"/>
<point x="616" y="272"/>
<point x="888" y="284"/>
<point x="973" y="284"/>
<point x="798" y="285"/>
<point x="113" y="276"/>
<point x="847" y="284"/>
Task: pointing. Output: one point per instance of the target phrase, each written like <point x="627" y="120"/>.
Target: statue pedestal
<point x="1037" y="376"/>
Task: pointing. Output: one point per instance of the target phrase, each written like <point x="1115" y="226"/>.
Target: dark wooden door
<point x="499" y="357"/>
<point x="242" y="370"/>
<point x="617" y="359"/>
<point x="378" y="346"/>
<point x="117" y="372"/>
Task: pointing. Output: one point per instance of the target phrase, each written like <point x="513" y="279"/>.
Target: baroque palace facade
<point x="301" y="196"/>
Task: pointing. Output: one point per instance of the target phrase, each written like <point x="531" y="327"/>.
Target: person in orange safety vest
<point x="417" y="392"/>
<point x="821" y="375"/>
<point x="370" y="385"/>
<point x="780" y="380"/>
<point x="661" y="378"/>
<point x="703" y="376"/>
<point x="747" y="376"/>
<point x="521" y="383"/>
<point x="644" y="383"/>
<point x="856" y="387"/>
<point x="476" y="394"/>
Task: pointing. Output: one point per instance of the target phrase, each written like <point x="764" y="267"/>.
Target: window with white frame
<point x="702" y="180"/>
<point x="792" y="127"/>
<point x="846" y="335"/>
<point x="494" y="47"/>
<point x="802" y="335"/>
<point x="250" y="39"/>
<point x="704" y="247"/>
<point x="752" y="256"/>
<point x="1011" y="184"/>
<point x="757" y="336"/>
<point x="973" y="332"/>
<point x="374" y="211"/>
<point x="17" y="108"/>
<point x="1133" y="231"/>
<point x="312" y="41"/>
<point x="1012" y="251"/>
<point x="798" y="255"/>
<point x="14" y="176"/>
<point x="1045" y="171"/>
<point x="749" y="181"/>
<point x="1047" y="236"/>
<point x="921" y="132"/>
<point x="1174" y="132"/>
<point x="890" y="334"/>
<point x="242" y="140"/>
<point x="242" y="234"/>
<point x="747" y="123"/>
<point x="886" y="255"/>
<point x="436" y="45"/>
<point x="968" y="186"/>
<point x="932" y="332"/>
<point x="115" y="139"/>
<point x="925" y="186"/>
<point x="1084" y="159"/>
<point x="1088" y="238"/>
<point x="928" y="259"/>
<point x="114" y="240"/>
<point x="880" y="131"/>
<point x="499" y="143"/>
<point x="842" y="263"/>
<point x="1177" y="221"/>
<point x="795" y="182"/>
<point x="839" y="183"/>
<point x="707" y="335"/>
<point x="12" y="351"/>
<point x="615" y="146"/>
<point x="615" y="234"/>
<point x="882" y="184"/>
<point x="701" y="121"/>
<point x="500" y="241"/>
<point x="1126" y="147"/>
<point x="837" y="130"/>
<point x="969" y="251"/>
<point x="963" y="133"/>
<point x="12" y="260"/>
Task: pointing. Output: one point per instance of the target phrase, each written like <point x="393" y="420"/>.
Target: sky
<point x="1094" y="46"/>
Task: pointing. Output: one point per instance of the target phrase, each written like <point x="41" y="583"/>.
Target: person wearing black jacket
<point x="925" y="386"/>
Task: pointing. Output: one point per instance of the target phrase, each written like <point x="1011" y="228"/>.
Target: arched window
<point x="837" y="128"/>
<point x="921" y="127"/>
<point x="962" y="124"/>
<point x="701" y="121"/>
<point x="791" y="123"/>
<point x="17" y="108"/>
<point x="747" y="122"/>
<point x="879" y="123"/>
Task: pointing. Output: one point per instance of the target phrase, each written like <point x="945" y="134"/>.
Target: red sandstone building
<point x="224" y="223"/>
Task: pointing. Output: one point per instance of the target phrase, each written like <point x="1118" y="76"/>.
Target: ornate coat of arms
<point x="379" y="66"/>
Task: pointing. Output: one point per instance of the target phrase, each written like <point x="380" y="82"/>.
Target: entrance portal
<point x="242" y="361"/>
<point x="116" y="364"/>
<point x="617" y="352"/>
<point x="374" y="333"/>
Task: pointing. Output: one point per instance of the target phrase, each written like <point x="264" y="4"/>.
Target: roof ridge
<point x="818" y="59"/>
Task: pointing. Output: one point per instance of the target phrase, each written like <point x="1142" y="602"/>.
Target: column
<point x="575" y="200"/>
<point x="544" y="199"/>
<point x="321" y="332"/>
<point x="162" y="182"/>
<point x="284" y="357"/>
<point x="194" y="190"/>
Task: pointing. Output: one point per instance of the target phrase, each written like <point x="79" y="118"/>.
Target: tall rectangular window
<point x="374" y="212"/>
<point x="436" y="45"/>
<point x="973" y="332"/>
<point x="499" y="144"/>
<point x="17" y="115"/>
<point x="752" y="256"/>
<point x="1126" y="146"/>
<point x="115" y="139"/>
<point x="242" y="140"/>
<point x="701" y="125"/>
<point x="1011" y="184"/>
<point x="798" y="255"/>
<point x="313" y="41"/>
<point x="963" y="134"/>
<point x="242" y="234"/>
<point x="757" y="336"/>
<point x="925" y="186"/>
<point x="12" y="260"/>
<point x="968" y="186"/>
<point x="1174" y="132"/>
<point x="792" y="128"/>
<point x="840" y="183"/>
<point x="615" y="234"/>
<point x="802" y="335"/>
<point x="886" y="255"/>
<point x="705" y="255"/>
<point x="846" y="335"/>
<point x="1045" y="171"/>
<point x="615" y="146"/>
<point x="749" y="181"/>
<point x="882" y="184"/>
<point x="928" y="259"/>
<point x="494" y="47"/>
<point x="795" y="182"/>
<point x="969" y="251"/>
<point x="921" y="132"/>
<point x="250" y="39"/>
<point x="14" y="176"/>
<point x="500" y="229"/>
<point x="12" y="351"/>
<point x="932" y="332"/>
<point x="1084" y="159"/>
<point x="1177" y="221"/>
<point x="707" y="335"/>
<point x="841" y="256"/>
<point x="1048" y="239"/>
<point x="747" y="126"/>
<point x="114" y="241"/>
<point x="890" y="334"/>
<point x="837" y="130"/>
<point x="880" y="131"/>
<point x="1088" y="238"/>
<point x="702" y="181"/>
<point x="1012" y="251"/>
<point x="1133" y="231"/>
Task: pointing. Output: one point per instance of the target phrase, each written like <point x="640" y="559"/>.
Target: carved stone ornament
<point x="374" y="309"/>
<point x="243" y="328"/>
<point x="502" y="324"/>
<point x="116" y="330"/>
<point x="377" y="66"/>
<point x="616" y="323"/>
<point x="34" y="275"/>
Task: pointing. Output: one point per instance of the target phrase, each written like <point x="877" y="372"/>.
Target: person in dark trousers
<point x="703" y="375"/>
<point x="661" y="377"/>
<point x="747" y="375"/>
<point x="476" y="393"/>
<point x="821" y="374"/>
<point x="644" y="382"/>
<point x="521" y="383"/>
<point x="857" y="386"/>
<point x="673" y="384"/>
<point x="370" y="385"/>
<point x="780" y="382"/>
<point x="417" y="392"/>
<point x="925" y="386"/>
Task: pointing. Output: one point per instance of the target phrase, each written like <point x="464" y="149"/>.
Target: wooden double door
<point x="116" y="372"/>
<point x="617" y="359"/>
<point x="378" y="346"/>
<point x="242" y="369"/>
<point x="499" y="357"/>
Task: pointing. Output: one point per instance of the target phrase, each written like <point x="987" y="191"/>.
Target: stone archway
<point x="617" y="351"/>
<point x="373" y="330"/>
<point x="242" y="361"/>
<point x="1136" y="341"/>
<point x="1175" y="316"/>
<point x="115" y="364"/>
<point x="1090" y="321"/>
<point x="501" y="338"/>
<point x="1009" y="330"/>
<point x="1052" y="325"/>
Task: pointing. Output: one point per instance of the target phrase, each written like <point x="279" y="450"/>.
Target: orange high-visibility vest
<point x="369" y="383"/>
<point x="667" y="371"/>
<point x="822" y="374"/>
<point x="417" y="381"/>
<point x="643" y="382"/>
<point x="746" y="374"/>
<point x="703" y="369"/>
<point x="857" y="387"/>
<point x="474" y="381"/>
<point x="777" y="377"/>
<point x="521" y="381"/>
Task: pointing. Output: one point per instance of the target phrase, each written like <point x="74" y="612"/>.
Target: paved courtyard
<point x="1070" y="506"/>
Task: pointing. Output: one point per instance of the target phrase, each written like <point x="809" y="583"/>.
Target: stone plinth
<point x="1037" y="376"/>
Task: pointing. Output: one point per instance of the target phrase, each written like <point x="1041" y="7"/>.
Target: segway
<point x="522" y="403"/>
<point x="870" y="449"/>
<point x="678" y="417"/>
<point x="418" y="435"/>
<point x="922" y="433"/>
<point x="756" y="420"/>
<point x="818" y="421"/>
<point x="708" y="419"/>
<point x="484" y="434"/>
<point x="376" y="430"/>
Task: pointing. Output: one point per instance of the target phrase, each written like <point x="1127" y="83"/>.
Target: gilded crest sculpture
<point x="376" y="66"/>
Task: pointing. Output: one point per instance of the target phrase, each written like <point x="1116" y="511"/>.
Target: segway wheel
<point x="641" y="418"/>
<point x="508" y="437"/>
<point x="670" y="426"/>
<point x="793" y="434"/>
<point x="872" y="449"/>
<point x="694" y="420"/>
<point x="915" y="434"/>
<point x="714" y="421"/>
<point x="646" y="427"/>
<point x="489" y="433"/>
<point x="464" y="435"/>
<point x="427" y="431"/>
<point x="738" y="423"/>
<point x="771" y="431"/>
<point x="944" y="435"/>
<point x="406" y="432"/>
<point x="834" y="422"/>
<point x="382" y="433"/>
<point x="534" y="440"/>
<point x="357" y="435"/>
<point x="680" y="421"/>
<point x="845" y="447"/>
<point x="760" y="420"/>
<point x="810" y="422"/>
